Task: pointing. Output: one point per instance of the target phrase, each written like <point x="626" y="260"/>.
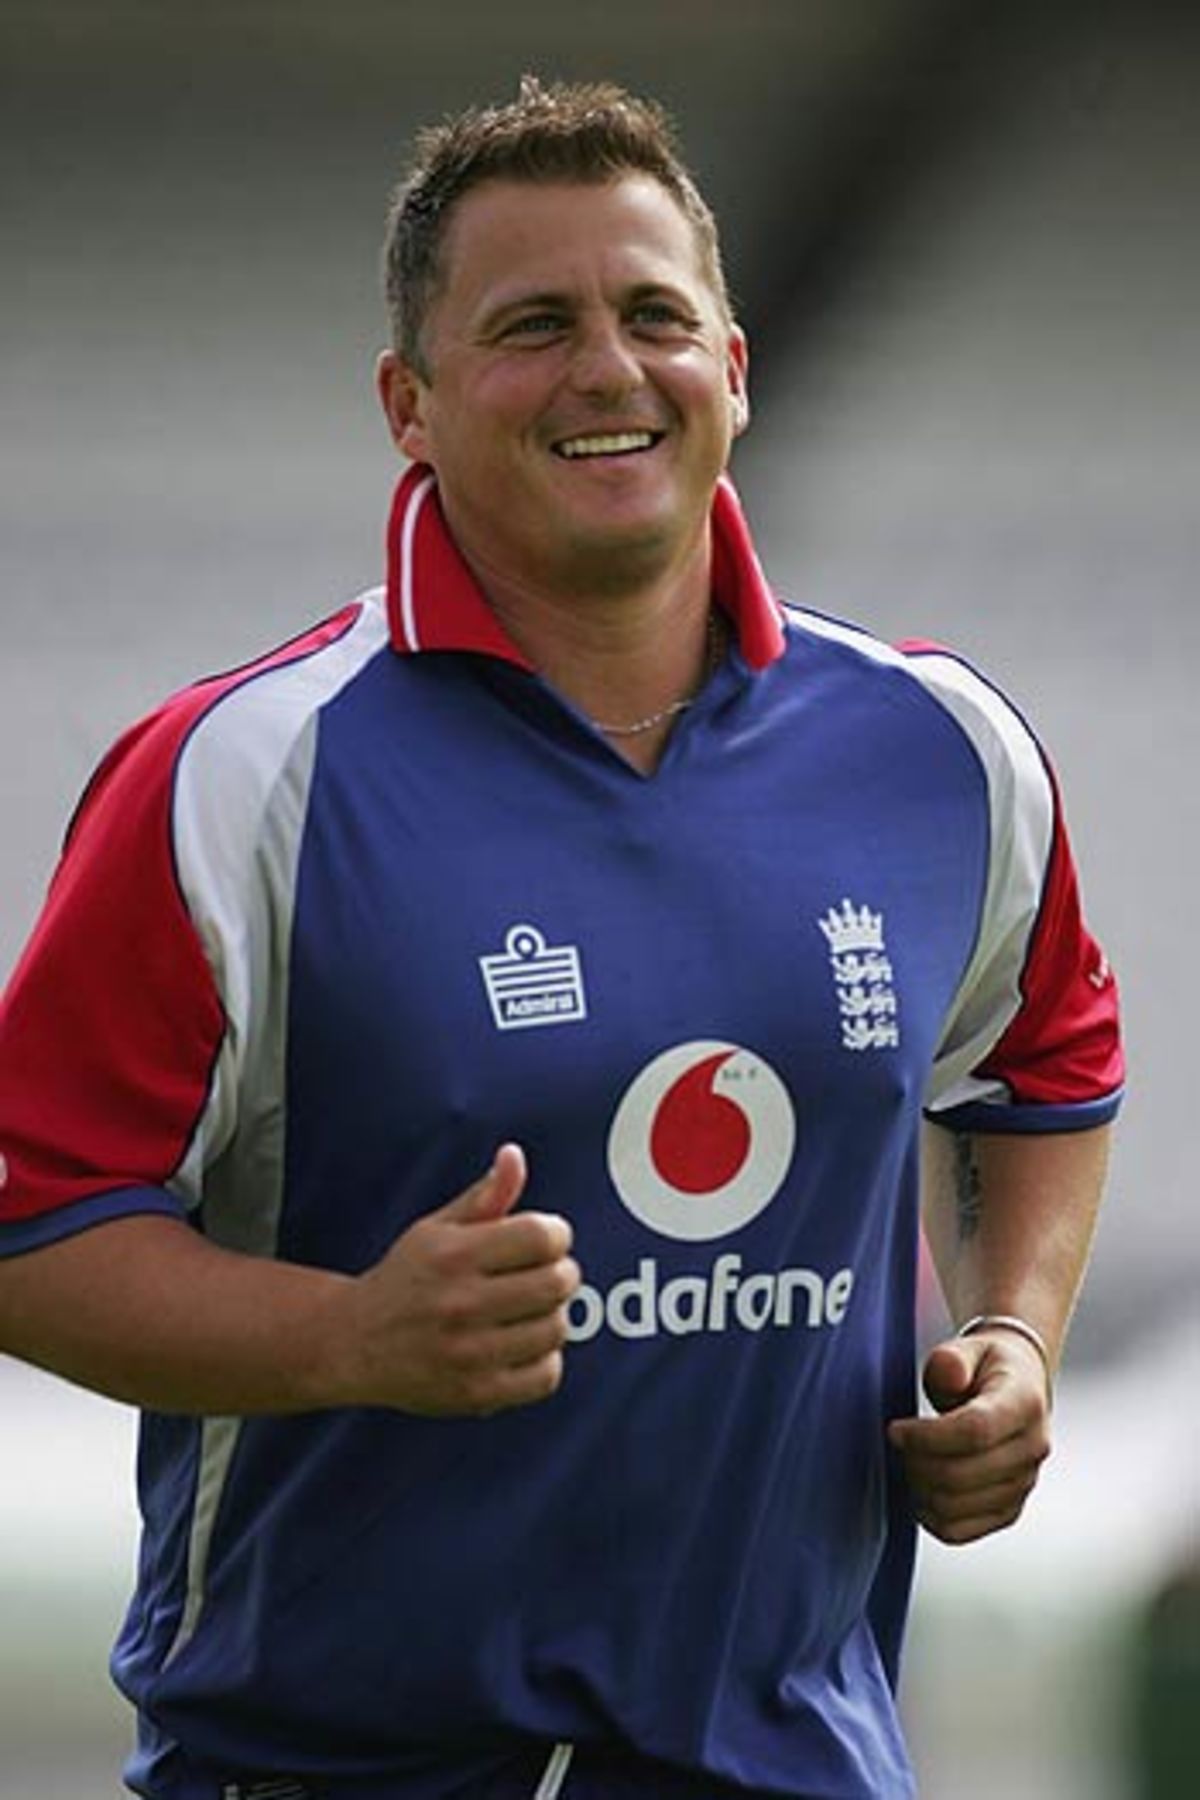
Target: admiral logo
<point x="700" y="1145"/>
<point x="533" y="983"/>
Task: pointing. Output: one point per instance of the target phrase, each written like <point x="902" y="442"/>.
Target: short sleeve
<point x="151" y="996"/>
<point x="1032" y="1040"/>
<point x="111" y="1024"/>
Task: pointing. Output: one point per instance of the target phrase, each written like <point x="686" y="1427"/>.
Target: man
<point x="466" y="1083"/>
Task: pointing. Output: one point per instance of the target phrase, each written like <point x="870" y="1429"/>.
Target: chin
<point x="619" y="559"/>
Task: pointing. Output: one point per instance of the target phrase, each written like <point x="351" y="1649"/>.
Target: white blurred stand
<point x="67" y="1550"/>
<point x="1017" y="1674"/>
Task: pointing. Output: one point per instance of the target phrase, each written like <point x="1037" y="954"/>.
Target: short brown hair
<point x="591" y="132"/>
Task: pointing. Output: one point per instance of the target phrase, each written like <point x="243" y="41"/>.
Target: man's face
<point x="583" y="385"/>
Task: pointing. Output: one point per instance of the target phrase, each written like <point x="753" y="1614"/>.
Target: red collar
<point x="435" y="603"/>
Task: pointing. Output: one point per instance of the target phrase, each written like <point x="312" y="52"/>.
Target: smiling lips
<point x="610" y="443"/>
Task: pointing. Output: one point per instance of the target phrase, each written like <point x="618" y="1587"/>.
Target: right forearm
<point x="466" y="1312"/>
<point x="146" y="1310"/>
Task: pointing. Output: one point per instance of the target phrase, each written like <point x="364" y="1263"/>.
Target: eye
<point x="535" y="324"/>
<point x="660" y="314"/>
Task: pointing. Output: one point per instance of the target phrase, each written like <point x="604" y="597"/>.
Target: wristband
<point x="1022" y="1327"/>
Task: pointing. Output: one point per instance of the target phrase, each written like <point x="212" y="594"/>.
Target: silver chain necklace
<point x="711" y="659"/>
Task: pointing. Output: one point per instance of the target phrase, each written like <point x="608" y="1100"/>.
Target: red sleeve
<point x="111" y="1023"/>
<point x="1063" y="1047"/>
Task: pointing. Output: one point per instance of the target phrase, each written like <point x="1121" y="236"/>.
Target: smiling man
<point x="577" y="383"/>
<point x="467" y="1084"/>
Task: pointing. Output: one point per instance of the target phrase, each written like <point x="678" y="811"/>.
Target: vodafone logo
<point x="702" y="1140"/>
<point x="700" y="1144"/>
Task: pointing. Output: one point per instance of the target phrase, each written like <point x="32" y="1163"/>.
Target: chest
<point x="500" y="935"/>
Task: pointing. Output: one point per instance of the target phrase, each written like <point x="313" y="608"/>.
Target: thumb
<point x="950" y="1371"/>
<point x="495" y="1193"/>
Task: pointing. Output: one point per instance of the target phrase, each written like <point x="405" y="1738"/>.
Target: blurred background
<point x="965" y="243"/>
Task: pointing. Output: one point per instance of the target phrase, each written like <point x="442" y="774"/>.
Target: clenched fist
<point x="467" y="1312"/>
<point x="972" y="1467"/>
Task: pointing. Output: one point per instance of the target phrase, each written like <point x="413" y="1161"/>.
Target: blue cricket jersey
<point x="330" y="928"/>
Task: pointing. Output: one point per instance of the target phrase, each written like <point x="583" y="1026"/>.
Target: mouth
<point x="606" y="443"/>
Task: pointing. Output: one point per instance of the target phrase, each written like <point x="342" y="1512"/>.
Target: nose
<point x="605" y="365"/>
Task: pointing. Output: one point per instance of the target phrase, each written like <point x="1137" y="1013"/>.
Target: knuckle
<point x="444" y="1252"/>
<point x="538" y="1338"/>
<point x="570" y="1278"/>
<point x="531" y="1233"/>
<point x="549" y="1335"/>
<point x="551" y="1371"/>
<point x="551" y="1238"/>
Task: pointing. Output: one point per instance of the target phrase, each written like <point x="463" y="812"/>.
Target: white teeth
<point x="612" y="444"/>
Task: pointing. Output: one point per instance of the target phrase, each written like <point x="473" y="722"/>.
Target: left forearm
<point x="1010" y="1220"/>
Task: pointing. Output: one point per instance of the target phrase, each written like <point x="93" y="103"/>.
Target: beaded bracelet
<point x="1022" y="1327"/>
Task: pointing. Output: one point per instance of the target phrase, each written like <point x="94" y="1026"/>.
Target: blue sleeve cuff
<point x="96" y="1209"/>
<point x="998" y="1116"/>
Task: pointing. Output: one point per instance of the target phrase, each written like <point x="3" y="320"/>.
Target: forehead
<point x="505" y="237"/>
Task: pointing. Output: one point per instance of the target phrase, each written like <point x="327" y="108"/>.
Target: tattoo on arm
<point x="968" y="1186"/>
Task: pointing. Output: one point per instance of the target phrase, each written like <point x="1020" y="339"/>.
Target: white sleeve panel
<point x="240" y="805"/>
<point x="241" y="801"/>
<point x="1021" y="804"/>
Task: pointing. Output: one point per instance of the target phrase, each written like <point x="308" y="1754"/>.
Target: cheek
<point x="710" y="412"/>
<point x="698" y="384"/>
<point x="512" y="393"/>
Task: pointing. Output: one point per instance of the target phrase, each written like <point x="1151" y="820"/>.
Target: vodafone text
<point x="637" y="1307"/>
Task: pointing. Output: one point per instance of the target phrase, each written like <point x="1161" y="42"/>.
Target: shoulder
<point x="998" y="735"/>
<point x="235" y="729"/>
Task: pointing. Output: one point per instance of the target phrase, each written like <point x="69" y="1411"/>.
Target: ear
<point x="737" y="373"/>
<point x="402" y="396"/>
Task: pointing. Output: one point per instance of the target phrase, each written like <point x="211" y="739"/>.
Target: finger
<point x="987" y="1495"/>
<point x="979" y="1522"/>
<point x="470" y="1340"/>
<point x="527" y="1240"/>
<point x="529" y="1341"/>
<point x="1014" y="1464"/>
<point x="961" y="1499"/>
<point x="950" y="1373"/>
<point x="992" y="1462"/>
<point x="463" y="1311"/>
<point x="974" y="1429"/>
<point x="495" y="1194"/>
<point x="522" y="1385"/>
<point x="531" y="1293"/>
<point x="950" y="1437"/>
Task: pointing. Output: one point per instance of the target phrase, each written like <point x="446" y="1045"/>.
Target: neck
<point x="624" y="659"/>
